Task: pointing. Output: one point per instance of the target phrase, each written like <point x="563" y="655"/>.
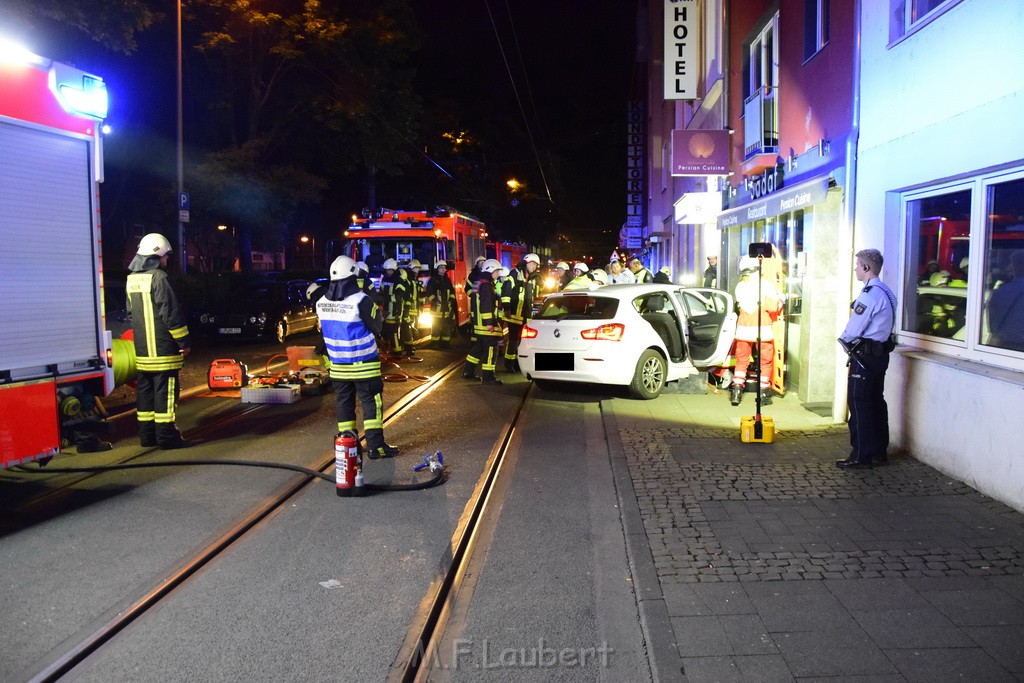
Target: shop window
<point x="816" y="25"/>
<point x="962" y="293"/>
<point x="906" y="16"/>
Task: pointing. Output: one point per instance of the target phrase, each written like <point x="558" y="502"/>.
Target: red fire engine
<point x="55" y="353"/>
<point x="427" y="236"/>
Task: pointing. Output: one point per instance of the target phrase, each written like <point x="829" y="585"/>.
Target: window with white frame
<point x="816" y="25"/>
<point x="763" y="59"/>
<point x="906" y="15"/>
<point x="963" y="269"/>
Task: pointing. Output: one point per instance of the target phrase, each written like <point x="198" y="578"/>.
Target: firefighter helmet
<point x="582" y="267"/>
<point x="154" y="244"/>
<point x="563" y="265"/>
<point x="342" y="268"/>
<point x="313" y="286"/>
<point x="748" y="264"/>
<point x="413" y="265"/>
<point x="479" y="260"/>
<point x="490" y="265"/>
<point x="599" y="276"/>
<point x="441" y="264"/>
<point x="363" y="268"/>
<point x="531" y="258"/>
<point x="390" y="264"/>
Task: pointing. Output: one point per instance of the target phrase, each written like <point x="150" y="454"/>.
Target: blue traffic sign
<point x="183" y="201"/>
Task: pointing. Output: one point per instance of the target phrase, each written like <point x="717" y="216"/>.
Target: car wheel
<point x="649" y="378"/>
<point x="546" y="384"/>
<point x="282" y="331"/>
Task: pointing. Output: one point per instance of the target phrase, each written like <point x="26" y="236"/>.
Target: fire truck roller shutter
<point x="48" y="297"/>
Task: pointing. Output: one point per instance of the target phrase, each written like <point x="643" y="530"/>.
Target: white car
<point x="640" y="336"/>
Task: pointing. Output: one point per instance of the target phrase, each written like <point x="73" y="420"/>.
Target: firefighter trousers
<point x="156" y="398"/>
<point x="370" y="392"/>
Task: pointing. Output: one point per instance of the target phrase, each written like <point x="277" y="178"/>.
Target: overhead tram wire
<point x="519" y="101"/>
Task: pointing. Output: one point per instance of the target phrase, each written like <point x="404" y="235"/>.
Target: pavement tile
<point x="803" y="613"/>
<point x="723" y="599"/>
<point x="786" y="590"/>
<point x="848" y="652"/>
<point x="876" y="594"/>
<point x="763" y="668"/>
<point x="948" y="583"/>
<point x="748" y="634"/>
<point x="1005" y="644"/>
<point x="962" y="664"/>
<point x="701" y="637"/>
<point x="1014" y="585"/>
<point x="681" y="601"/>
<point x="911" y="628"/>
<point x="712" y="670"/>
<point x="979" y="607"/>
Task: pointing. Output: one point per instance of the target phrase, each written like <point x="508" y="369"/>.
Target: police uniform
<point x="872" y="319"/>
<point x="350" y="320"/>
<point x="160" y="337"/>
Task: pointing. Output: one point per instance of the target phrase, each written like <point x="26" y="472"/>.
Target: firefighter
<point x="393" y="293"/>
<point x="514" y="314"/>
<point x="161" y="342"/>
<point x="413" y="304"/>
<point x="581" y="278"/>
<point x="483" y="306"/>
<point x="564" y="275"/>
<point x="350" y="320"/>
<point x="441" y="295"/>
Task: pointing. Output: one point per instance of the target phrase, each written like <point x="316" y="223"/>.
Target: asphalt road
<point x="326" y="587"/>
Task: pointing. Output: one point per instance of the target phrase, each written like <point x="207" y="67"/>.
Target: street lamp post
<point x="183" y="254"/>
<point x="306" y="239"/>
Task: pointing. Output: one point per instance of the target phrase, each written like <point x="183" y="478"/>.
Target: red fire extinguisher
<point x="346" y="465"/>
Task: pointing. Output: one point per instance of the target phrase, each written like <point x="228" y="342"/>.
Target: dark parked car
<point x="257" y="309"/>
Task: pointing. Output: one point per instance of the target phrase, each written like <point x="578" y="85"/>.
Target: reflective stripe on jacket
<point x="483" y="307"/>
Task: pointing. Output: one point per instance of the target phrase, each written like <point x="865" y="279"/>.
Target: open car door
<point x="710" y="325"/>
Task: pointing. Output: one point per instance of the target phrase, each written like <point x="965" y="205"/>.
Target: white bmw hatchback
<point x="639" y="336"/>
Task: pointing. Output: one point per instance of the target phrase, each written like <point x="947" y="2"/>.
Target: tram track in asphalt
<point x="150" y="599"/>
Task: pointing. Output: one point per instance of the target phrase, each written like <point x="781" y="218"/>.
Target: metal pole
<point x="182" y="253"/>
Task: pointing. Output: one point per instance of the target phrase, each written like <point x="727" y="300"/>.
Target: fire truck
<point x="56" y="355"/>
<point x="426" y="236"/>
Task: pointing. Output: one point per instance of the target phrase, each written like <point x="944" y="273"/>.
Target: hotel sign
<point x="682" y="56"/>
<point x="700" y="152"/>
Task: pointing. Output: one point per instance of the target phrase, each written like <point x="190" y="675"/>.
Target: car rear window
<point x="578" y="307"/>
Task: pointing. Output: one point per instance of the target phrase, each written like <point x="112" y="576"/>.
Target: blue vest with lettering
<point x="347" y="338"/>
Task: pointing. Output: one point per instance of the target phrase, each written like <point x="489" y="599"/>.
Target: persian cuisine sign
<point x="700" y="152"/>
<point x="681" y="49"/>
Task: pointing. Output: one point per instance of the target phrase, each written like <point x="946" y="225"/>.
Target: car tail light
<point x="604" y="332"/>
<point x="528" y="332"/>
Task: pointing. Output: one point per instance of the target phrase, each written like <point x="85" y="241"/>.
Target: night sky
<point x="572" y="63"/>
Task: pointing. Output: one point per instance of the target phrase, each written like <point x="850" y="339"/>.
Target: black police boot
<point x="735" y="394"/>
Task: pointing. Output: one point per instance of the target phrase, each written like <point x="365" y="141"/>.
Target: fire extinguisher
<point x="347" y="466"/>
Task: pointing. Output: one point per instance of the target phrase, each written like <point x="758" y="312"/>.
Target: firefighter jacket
<point x="530" y="285"/>
<point x="414" y="291"/>
<point x="582" y="281"/>
<point x="441" y="295"/>
<point x="472" y="280"/>
<point x="513" y="299"/>
<point x="746" y="302"/>
<point x="349" y="319"/>
<point x="395" y="293"/>
<point x="483" y="306"/>
<point x="157" y="316"/>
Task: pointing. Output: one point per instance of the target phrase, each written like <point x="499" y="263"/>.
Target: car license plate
<point x="230" y="330"/>
<point x="555" y="362"/>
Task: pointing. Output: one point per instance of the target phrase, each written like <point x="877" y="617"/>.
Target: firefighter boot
<point x="489" y="378"/>
<point x="382" y="450"/>
<point x="147" y="434"/>
<point x="169" y="438"/>
<point x="766" y="397"/>
<point x="735" y="394"/>
<point x="469" y="371"/>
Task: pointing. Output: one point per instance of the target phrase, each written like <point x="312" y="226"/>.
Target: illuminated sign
<point x="797" y="197"/>
<point x="682" y="55"/>
<point x="700" y="152"/>
<point x="635" y="164"/>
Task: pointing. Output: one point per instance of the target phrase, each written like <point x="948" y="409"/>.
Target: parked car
<point x="940" y="311"/>
<point x="256" y="309"/>
<point x="638" y="336"/>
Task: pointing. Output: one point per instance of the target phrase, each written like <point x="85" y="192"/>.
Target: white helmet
<point x="479" y="260"/>
<point x="532" y="258"/>
<point x="599" y="276"/>
<point x="490" y="265"/>
<point x="503" y="272"/>
<point x="154" y="244"/>
<point x="390" y="264"/>
<point x="748" y="264"/>
<point x="363" y="268"/>
<point x="582" y="267"/>
<point x="342" y="268"/>
<point x="440" y="264"/>
<point x="563" y="265"/>
<point x="313" y="286"/>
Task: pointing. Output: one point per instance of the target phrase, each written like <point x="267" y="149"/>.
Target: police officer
<point x="483" y="306"/>
<point x="394" y="293"/>
<point x="349" y="319"/>
<point x="161" y="343"/>
<point x="866" y="339"/>
<point x="642" y="275"/>
<point x="440" y="293"/>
